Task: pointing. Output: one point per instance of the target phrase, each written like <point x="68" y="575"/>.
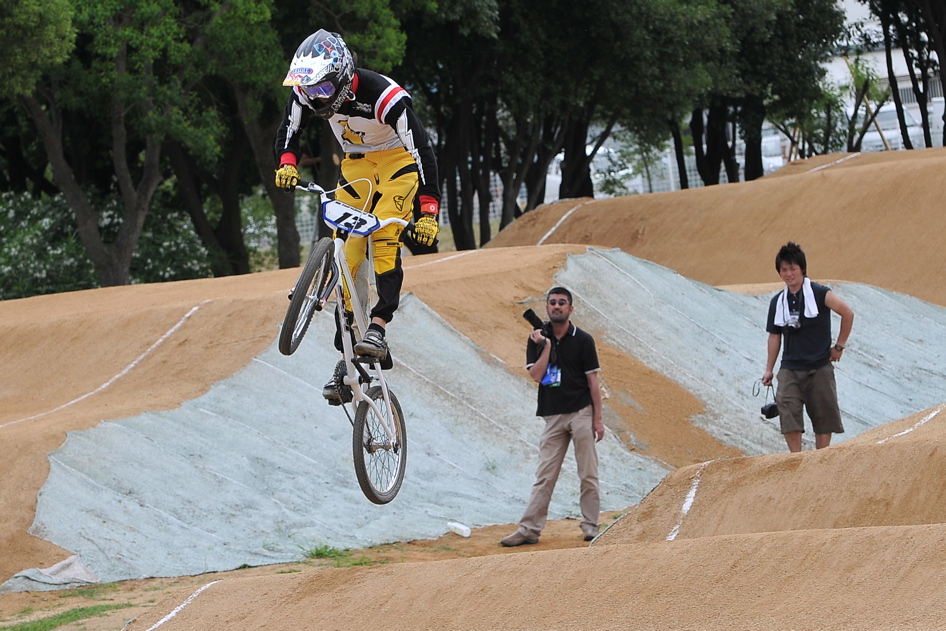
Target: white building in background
<point x="839" y="74"/>
<point x="775" y="147"/>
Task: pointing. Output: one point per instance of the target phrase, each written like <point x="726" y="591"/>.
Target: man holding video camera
<point x="801" y="315"/>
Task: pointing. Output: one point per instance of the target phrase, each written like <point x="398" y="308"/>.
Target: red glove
<point x="429" y="205"/>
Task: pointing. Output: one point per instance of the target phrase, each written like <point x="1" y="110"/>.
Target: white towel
<point x="781" y="307"/>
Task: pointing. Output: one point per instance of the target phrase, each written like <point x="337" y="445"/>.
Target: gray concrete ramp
<point x="259" y="469"/>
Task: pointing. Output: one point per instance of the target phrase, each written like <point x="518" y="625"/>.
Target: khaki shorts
<point x="816" y="392"/>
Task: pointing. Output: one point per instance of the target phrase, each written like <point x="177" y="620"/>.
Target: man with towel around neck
<point x="801" y="313"/>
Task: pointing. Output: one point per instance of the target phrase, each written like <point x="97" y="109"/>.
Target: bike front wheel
<point x="379" y="462"/>
<point x="306" y="296"/>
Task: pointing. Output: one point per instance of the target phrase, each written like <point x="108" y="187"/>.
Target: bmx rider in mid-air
<point x="373" y="119"/>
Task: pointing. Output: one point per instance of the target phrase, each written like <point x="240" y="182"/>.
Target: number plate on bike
<point x="349" y="218"/>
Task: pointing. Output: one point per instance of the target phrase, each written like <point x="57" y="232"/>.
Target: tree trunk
<point x="261" y="138"/>
<point x="934" y="14"/>
<point x="484" y="193"/>
<point x="716" y="144"/>
<point x="576" y="175"/>
<point x="112" y="261"/>
<point x="698" y="133"/>
<point x="224" y="242"/>
<point x="753" y="117"/>
<point x="678" y="152"/>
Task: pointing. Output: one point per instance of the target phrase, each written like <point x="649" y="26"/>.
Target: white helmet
<point x="323" y="69"/>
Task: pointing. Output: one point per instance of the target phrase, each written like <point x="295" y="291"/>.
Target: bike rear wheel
<point x="379" y="462"/>
<point x="315" y="277"/>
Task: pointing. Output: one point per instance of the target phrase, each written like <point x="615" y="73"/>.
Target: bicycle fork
<point x="357" y="374"/>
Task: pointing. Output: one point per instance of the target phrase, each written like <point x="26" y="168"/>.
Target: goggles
<point x="322" y="90"/>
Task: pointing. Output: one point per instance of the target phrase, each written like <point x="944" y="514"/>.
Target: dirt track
<point x="848" y="538"/>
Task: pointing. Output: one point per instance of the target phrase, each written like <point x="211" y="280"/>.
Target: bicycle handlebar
<point x="309" y="187"/>
<point x="312" y="187"/>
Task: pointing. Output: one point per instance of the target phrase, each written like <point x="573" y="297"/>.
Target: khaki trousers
<point x="559" y="430"/>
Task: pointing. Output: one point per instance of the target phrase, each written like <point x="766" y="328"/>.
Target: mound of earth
<point x="848" y="537"/>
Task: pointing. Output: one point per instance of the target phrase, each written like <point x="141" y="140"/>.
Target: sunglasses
<point x="563" y="302"/>
<point x="322" y="90"/>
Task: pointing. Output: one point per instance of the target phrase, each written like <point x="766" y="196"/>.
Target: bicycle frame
<point x="347" y="221"/>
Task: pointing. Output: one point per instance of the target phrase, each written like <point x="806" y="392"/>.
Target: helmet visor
<point x="323" y="90"/>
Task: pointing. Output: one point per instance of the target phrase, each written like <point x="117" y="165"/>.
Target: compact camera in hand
<point x="770" y="410"/>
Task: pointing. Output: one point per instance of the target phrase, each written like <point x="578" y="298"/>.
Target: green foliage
<point x="868" y="94"/>
<point x="40" y="252"/>
<point x="240" y="46"/>
<point x="821" y="130"/>
<point x="67" y="617"/>
<point x="168" y="249"/>
<point x="35" y="35"/>
<point x="259" y="229"/>
<point x="637" y="154"/>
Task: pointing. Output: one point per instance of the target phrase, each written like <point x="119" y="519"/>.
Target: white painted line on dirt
<point x="560" y="222"/>
<point x="180" y="607"/>
<point x="688" y="502"/>
<point x="124" y="372"/>
<point x="929" y="417"/>
<point x="448" y="258"/>
<point x="831" y="164"/>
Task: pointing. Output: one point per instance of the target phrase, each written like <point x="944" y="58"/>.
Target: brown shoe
<point x="517" y="539"/>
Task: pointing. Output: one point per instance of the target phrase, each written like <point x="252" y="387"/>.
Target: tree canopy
<point x="107" y="100"/>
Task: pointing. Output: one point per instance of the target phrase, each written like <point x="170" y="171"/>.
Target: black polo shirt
<point x="575" y="355"/>
<point x="809" y="346"/>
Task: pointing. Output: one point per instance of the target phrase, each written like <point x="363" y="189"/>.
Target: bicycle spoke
<point x="379" y="461"/>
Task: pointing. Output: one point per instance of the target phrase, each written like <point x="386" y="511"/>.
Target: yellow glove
<point x="426" y="230"/>
<point x="287" y="176"/>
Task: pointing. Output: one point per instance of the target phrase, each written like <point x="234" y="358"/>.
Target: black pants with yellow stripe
<point x="384" y="183"/>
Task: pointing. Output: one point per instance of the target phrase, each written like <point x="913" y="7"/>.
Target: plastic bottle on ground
<point x="458" y="528"/>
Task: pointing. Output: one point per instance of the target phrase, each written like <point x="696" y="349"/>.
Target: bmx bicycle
<point x="379" y="436"/>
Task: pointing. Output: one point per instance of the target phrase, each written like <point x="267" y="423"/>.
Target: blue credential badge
<point x="553" y="377"/>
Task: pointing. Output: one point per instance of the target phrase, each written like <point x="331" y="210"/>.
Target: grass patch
<point x="339" y="558"/>
<point x="91" y="592"/>
<point x="325" y="552"/>
<point x="64" y="618"/>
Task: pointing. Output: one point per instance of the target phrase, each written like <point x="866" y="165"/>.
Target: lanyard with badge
<point x="553" y="374"/>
